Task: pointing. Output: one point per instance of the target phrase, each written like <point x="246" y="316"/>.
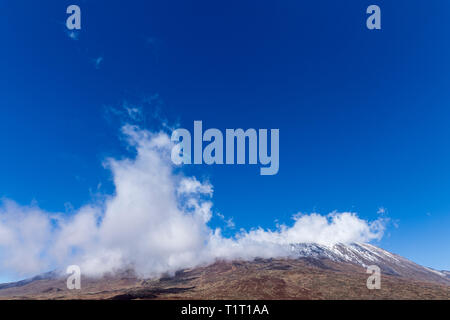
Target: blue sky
<point x="363" y="115"/>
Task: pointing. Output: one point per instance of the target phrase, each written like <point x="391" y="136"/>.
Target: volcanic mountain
<point x="313" y="271"/>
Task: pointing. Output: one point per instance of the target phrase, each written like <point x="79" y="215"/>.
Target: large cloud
<point x="155" y="222"/>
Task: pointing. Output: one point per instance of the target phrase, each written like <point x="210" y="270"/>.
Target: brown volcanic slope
<point x="302" y="278"/>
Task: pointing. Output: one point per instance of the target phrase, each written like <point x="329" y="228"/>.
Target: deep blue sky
<point x="364" y="116"/>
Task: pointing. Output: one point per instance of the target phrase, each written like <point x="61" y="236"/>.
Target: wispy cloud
<point x="229" y="222"/>
<point x="381" y="210"/>
<point x="97" y="62"/>
<point x="73" y="34"/>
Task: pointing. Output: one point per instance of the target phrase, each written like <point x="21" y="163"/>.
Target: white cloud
<point x="156" y="221"/>
<point x="192" y="185"/>
<point x="25" y="234"/>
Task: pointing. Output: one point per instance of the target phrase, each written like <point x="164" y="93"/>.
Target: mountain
<point x="312" y="272"/>
<point x="45" y="276"/>
<point x="365" y="255"/>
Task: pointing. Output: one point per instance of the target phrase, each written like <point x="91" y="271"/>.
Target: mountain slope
<point x="314" y="272"/>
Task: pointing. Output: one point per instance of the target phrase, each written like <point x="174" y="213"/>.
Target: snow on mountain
<point x="365" y="255"/>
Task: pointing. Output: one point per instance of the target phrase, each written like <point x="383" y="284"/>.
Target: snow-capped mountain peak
<point x="364" y="255"/>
